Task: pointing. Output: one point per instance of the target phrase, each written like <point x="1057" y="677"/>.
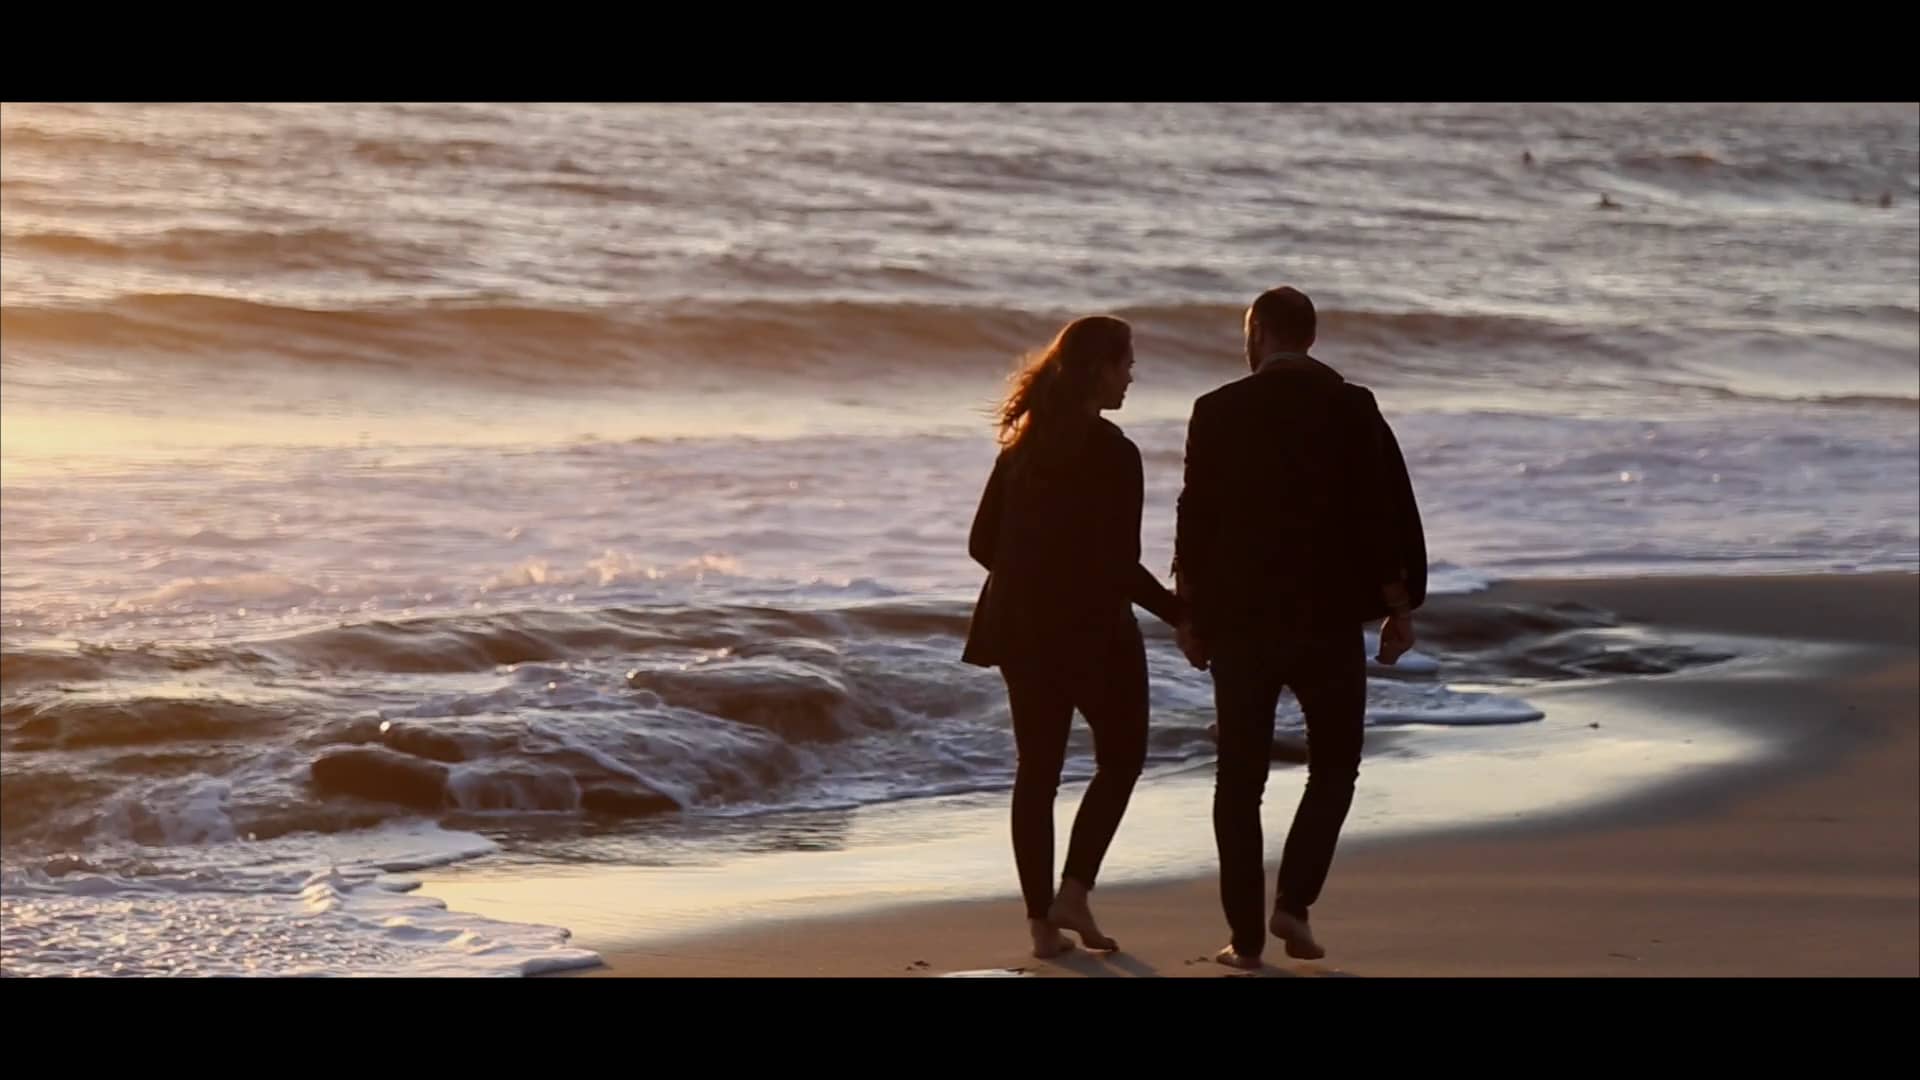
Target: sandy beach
<point x="1800" y="862"/>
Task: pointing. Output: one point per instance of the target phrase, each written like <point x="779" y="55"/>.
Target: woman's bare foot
<point x="1070" y="912"/>
<point x="1232" y="958"/>
<point x="1048" y="941"/>
<point x="1297" y="935"/>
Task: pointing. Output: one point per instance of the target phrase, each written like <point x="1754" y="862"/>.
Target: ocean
<point x="383" y="486"/>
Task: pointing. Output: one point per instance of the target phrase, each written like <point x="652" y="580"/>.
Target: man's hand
<point x="1396" y="637"/>
<point x="1191" y="645"/>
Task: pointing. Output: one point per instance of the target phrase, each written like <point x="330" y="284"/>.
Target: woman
<point x="1058" y="530"/>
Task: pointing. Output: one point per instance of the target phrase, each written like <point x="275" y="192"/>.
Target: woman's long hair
<point x="1045" y="416"/>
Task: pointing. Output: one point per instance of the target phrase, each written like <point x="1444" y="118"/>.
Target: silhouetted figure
<point x="1886" y="199"/>
<point x="1606" y="202"/>
<point x="1058" y="530"/>
<point x="1296" y="524"/>
<point x="1526" y="158"/>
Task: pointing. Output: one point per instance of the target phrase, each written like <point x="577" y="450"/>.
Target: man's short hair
<point x="1285" y="313"/>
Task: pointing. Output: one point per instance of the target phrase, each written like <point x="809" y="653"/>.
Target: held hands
<point x="1191" y="646"/>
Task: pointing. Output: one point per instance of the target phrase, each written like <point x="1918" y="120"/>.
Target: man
<point x="1296" y="524"/>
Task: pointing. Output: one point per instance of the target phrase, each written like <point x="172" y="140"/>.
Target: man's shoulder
<point x="1360" y="395"/>
<point x="1225" y="396"/>
<point x="1251" y="398"/>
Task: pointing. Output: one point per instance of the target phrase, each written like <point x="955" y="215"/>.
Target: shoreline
<point x="1849" y="637"/>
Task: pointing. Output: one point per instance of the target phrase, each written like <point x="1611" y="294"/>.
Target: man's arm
<point x="1194" y="513"/>
<point x="1374" y="504"/>
<point x="1379" y="527"/>
<point x="1196" y="524"/>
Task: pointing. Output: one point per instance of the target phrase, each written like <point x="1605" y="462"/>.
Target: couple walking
<point x="1296" y="525"/>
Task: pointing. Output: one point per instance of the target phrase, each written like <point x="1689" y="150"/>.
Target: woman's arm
<point x="1147" y="591"/>
<point x="1138" y="582"/>
<point x="985" y="536"/>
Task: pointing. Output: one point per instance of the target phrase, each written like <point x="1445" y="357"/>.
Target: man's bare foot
<point x="1048" y="941"/>
<point x="1070" y="912"/>
<point x="1233" y="959"/>
<point x="1297" y="936"/>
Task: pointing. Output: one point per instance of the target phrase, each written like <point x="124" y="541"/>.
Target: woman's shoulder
<point x="1108" y="435"/>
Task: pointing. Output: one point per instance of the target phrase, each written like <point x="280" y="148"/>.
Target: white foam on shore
<point x="1399" y="704"/>
<point x="1446" y="579"/>
<point x="272" y="917"/>
<point x="1591" y="750"/>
